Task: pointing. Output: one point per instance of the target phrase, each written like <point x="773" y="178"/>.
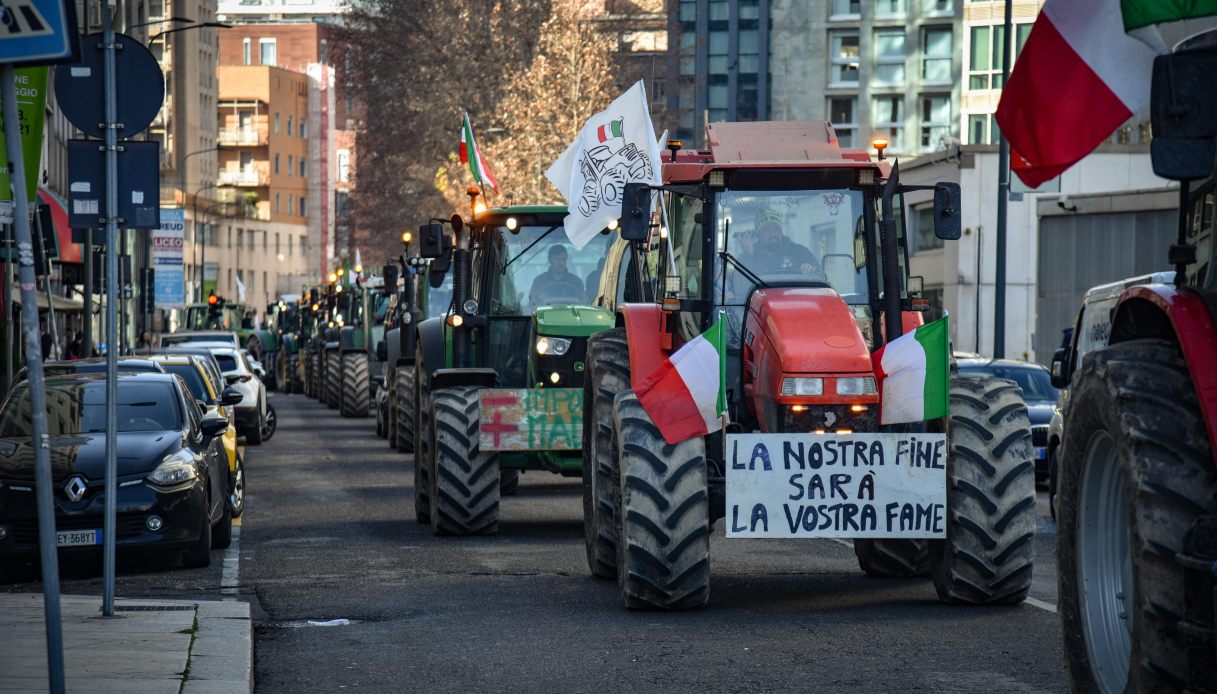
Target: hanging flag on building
<point x="1077" y="79"/>
<point x="684" y="395"/>
<point x="914" y="374"/>
<point x="471" y="155"/>
<point x="240" y="288"/>
<point x="615" y="147"/>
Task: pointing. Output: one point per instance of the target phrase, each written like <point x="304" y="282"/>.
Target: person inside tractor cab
<point x="557" y="283"/>
<point x="773" y="253"/>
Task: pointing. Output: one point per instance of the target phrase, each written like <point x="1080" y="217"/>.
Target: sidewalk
<point x="149" y="646"/>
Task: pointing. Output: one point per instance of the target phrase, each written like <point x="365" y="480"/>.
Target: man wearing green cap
<point x="773" y="253"/>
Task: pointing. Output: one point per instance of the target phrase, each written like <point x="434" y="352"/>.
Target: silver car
<point x="251" y="411"/>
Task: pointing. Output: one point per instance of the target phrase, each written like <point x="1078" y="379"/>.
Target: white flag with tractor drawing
<point x="615" y="147"/>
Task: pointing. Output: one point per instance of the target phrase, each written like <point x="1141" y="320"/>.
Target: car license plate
<point x="76" y="538"/>
<point x="1041" y="453"/>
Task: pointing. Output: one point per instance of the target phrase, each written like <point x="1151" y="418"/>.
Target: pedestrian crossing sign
<point x="38" y="32"/>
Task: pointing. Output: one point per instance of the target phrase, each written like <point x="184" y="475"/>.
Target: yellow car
<point x="205" y="387"/>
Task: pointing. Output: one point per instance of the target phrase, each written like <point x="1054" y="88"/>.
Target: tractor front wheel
<point x="1135" y="472"/>
<point x="405" y="409"/>
<point x="663" y="546"/>
<point x="608" y="360"/>
<point x="333" y="379"/>
<point x="354" y="400"/>
<point x="465" y="484"/>
<point x="425" y="440"/>
<point x="989" y="551"/>
<point x="893" y="558"/>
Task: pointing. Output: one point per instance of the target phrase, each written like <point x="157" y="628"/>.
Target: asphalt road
<point x="329" y="534"/>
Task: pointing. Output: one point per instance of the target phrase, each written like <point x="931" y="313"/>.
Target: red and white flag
<point x="471" y="155"/>
<point x="1077" y="79"/>
<point x="684" y="395"/>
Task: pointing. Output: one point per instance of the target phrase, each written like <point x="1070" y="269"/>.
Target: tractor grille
<point x="1039" y="436"/>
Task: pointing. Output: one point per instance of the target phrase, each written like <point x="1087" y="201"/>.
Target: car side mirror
<point x="431" y="240"/>
<point x="382" y="351"/>
<point x="947" y="225"/>
<point x="636" y="212"/>
<point x="213" y="425"/>
<point x="230" y="395"/>
<point x="232" y="378"/>
<point x="1060" y="379"/>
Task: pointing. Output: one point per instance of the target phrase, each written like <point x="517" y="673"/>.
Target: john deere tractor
<point x="218" y="313"/>
<point x="358" y="324"/>
<point x="499" y="377"/>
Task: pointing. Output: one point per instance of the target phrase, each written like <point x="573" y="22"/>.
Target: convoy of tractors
<point x="495" y="346"/>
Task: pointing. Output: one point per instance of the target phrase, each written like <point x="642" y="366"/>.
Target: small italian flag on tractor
<point x="684" y="395"/>
<point x="471" y="155"/>
<point x="610" y="130"/>
<point x="914" y="374"/>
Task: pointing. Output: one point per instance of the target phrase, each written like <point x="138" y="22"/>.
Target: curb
<point x="221" y="655"/>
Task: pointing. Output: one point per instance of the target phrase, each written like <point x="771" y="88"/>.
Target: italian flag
<point x="610" y="130"/>
<point x="1142" y="13"/>
<point x="914" y="374"/>
<point x="471" y="155"/>
<point x="1078" y="78"/>
<point x="684" y="395"/>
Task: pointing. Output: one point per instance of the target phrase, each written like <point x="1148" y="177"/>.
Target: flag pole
<point x="1003" y="195"/>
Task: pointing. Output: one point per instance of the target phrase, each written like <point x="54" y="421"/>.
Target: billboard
<point x="167" y="247"/>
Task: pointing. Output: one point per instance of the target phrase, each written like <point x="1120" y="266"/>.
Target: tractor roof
<point x="764" y="144"/>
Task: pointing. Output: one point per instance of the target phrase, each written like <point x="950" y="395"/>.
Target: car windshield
<point x="75" y="407"/>
<point x="211" y="318"/>
<point x="227" y="362"/>
<point x="539" y="266"/>
<point x="1035" y="382"/>
<point x="793" y="236"/>
<point x="194" y="381"/>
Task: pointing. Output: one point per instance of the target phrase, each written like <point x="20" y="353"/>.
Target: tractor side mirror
<point x="431" y="240"/>
<point x="1183" y="113"/>
<point x="436" y="271"/>
<point x="344" y="301"/>
<point x="1060" y="378"/>
<point x="389" y="272"/>
<point x="636" y="212"/>
<point x="947" y="225"/>
<point x="382" y="351"/>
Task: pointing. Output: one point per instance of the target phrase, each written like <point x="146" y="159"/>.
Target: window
<point x="984" y="57"/>
<point x="303" y="168"/>
<point x="289" y="124"/>
<point x="889" y="8"/>
<point x="938" y="6"/>
<point x="344" y="165"/>
<point x="888" y="116"/>
<point x="889" y="57"/>
<point x="935" y="119"/>
<point x="276" y="163"/>
<point x="982" y="129"/>
<point x="246" y="56"/>
<point x="277" y="251"/>
<point x="291" y="203"/>
<point x="265" y="282"/>
<point x="291" y="163"/>
<point x="303" y="206"/>
<point x="266" y="51"/>
<point x="846" y="8"/>
<point x="842" y="112"/>
<point x="844" y="57"/>
<point x="923" y="229"/>
<point x="936" y="55"/>
<point x="303" y="127"/>
<point x="277" y="206"/>
<point x="276" y="122"/>
<point x="718" y="53"/>
<point x="240" y="238"/>
<point x="290" y="243"/>
<point x="265" y="239"/>
<point x="246" y="160"/>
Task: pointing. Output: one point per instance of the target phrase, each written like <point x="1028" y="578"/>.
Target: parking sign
<point x="38" y="32"/>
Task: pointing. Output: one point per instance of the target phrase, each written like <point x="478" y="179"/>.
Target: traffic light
<point x="147" y="290"/>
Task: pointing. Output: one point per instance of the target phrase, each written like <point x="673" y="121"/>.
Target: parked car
<point x="226" y="337"/>
<point x="1038" y="392"/>
<point x="172" y="476"/>
<point x="90" y="366"/>
<point x="213" y="397"/>
<point x="1090" y="332"/>
<point x="251" y="411"/>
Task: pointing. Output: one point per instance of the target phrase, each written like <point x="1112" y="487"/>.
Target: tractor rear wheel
<point x="1135" y="472"/>
<point x="425" y="440"/>
<point x="989" y="551"/>
<point x="354" y="400"/>
<point x="609" y="374"/>
<point x="663" y="547"/>
<point x="893" y="558"/>
<point x="465" y="486"/>
<point x="333" y="379"/>
<point x="405" y="409"/>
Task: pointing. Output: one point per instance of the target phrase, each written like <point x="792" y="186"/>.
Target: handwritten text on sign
<point x="531" y="419"/>
<point x="836" y="485"/>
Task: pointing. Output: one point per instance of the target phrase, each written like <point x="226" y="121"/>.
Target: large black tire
<point x="608" y="374"/>
<point x="989" y="551"/>
<point x="333" y="379"/>
<point x="199" y="553"/>
<point x="465" y="486"/>
<point x="509" y="482"/>
<point x="236" y="487"/>
<point x="405" y="409"/>
<point x="424" y="440"/>
<point x="221" y="532"/>
<point x="354" y="401"/>
<point x="893" y="558"/>
<point x="314" y="375"/>
<point x="253" y="435"/>
<point x="1134" y="420"/>
<point x="663" y="548"/>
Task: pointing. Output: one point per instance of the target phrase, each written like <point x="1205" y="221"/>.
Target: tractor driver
<point x="773" y="253"/>
<point x="557" y="283"/>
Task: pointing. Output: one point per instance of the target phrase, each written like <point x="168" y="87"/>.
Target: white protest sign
<point x="836" y="485"/>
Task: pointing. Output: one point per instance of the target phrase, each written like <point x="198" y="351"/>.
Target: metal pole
<point x="1003" y="195"/>
<point x="9" y="353"/>
<point x="111" y="312"/>
<point x="86" y="339"/>
<point x="46" y="284"/>
<point x="47" y="545"/>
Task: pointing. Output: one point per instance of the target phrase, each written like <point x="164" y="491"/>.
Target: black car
<point x="172" y="468"/>
<point x="1038" y="392"/>
<point x="93" y="365"/>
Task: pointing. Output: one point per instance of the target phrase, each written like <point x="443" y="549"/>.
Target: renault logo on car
<point x="75" y="489"/>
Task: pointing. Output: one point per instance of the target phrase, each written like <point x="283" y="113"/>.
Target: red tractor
<point x="799" y="246"/>
<point x="1137" y="479"/>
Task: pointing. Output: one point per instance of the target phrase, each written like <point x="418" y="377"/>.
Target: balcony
<point x="242" y="137"/>
<point x="246" y="178"/>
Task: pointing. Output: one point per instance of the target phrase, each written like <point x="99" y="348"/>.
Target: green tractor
<point x="350" y="358"/>
<point x="218" y="313"/>
<point x="499" y="378"/>
<point x="283" y="324"/>
<point x="310" y="326"/>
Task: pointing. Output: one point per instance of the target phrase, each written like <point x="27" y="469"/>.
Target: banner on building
<point x="167" y="250"/>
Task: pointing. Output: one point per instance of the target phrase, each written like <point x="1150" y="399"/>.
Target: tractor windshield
<point x="539" y="266"/>
<point x="791" y="237"/>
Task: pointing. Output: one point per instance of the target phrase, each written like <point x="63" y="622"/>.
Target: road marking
<point x="1047" y="607"/>
<point x="844" y="543"/>
<point x="230" y="579"/>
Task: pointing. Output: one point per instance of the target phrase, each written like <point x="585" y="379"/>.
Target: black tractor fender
<point x="347" y="338"/>
<point x="431" y="343"/>
<point x="448" y="378"/>
<point x="393" y="346"/>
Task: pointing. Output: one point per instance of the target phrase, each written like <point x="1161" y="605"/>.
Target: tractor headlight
<point x="553" y="346"/>
<point x="470" y="306"/>
<point x="173" y="471"/>
<point x="856" y="385"/>
<point x="802" y="386"/>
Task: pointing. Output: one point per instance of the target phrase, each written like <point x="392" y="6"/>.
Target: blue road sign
<point x="38" y="32"/>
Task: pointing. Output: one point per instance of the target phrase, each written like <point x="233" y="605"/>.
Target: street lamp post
<point x="202" y="264"/>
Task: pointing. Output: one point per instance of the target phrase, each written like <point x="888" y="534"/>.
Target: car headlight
<point x="173" y="471"/>
<point x="553" y="346"/>
<point x="802" y="385"/>
<point x="856" y="385"/>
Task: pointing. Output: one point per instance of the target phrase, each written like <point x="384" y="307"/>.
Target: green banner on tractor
<point x="531" y="419"/>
